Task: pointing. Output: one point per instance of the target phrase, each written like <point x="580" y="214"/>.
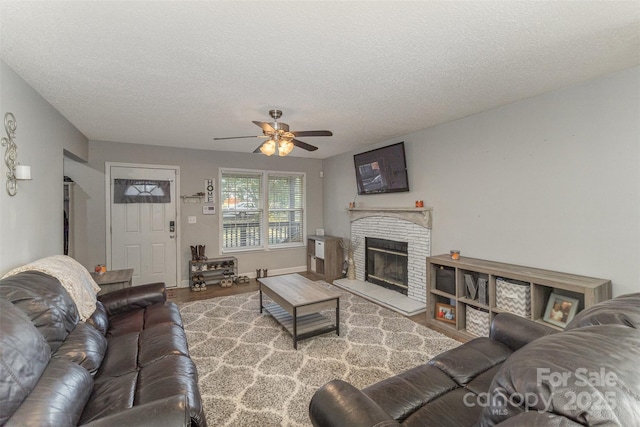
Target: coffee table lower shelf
<point x="309" y="325"/>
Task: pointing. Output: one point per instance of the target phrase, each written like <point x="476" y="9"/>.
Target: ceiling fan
<point x="280" y="138"/>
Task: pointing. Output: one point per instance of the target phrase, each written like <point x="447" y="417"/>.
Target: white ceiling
<point x="180" y="73"/>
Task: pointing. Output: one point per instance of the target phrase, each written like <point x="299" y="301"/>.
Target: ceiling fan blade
<point x="236" y="137"/>
<point x="266" y="127"/>
<point x="257" y="150"/>
<point x="313" y="133"/>
<point x="304" y="145"/>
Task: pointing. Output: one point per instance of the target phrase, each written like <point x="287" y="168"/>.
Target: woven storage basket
<point x="514" y="297"/>
<point x="477" y="322"/>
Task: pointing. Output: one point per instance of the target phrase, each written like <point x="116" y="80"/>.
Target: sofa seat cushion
<point x="448" y="410"/>
<point x="121" y="357"/>
<point x="110" y="395"/>
<point x="165" y="312"/>
<point x="125" y="323"/>
<point x="58" y="399"/>
<point x="84" y="346"/>
<point x="154" y="383"/>
<point x="535" y="418"/>
<point x="143" y="318"/>
<point x="160" y="341"/>
<point x="588" y="375"/>
<point x="130" y="352"/>
<point x="482" y="382"/>
<point x="466" y="362"/>
<point x="403" y="394"/>
<point x="24" y="355"/>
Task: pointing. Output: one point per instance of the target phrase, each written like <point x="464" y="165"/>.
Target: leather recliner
<point x="128" y="364"/>
<point x="523" y="374"/>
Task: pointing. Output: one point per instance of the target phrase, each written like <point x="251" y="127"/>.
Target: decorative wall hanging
<point x="17" y="172"/>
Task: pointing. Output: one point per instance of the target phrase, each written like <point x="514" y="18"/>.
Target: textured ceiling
<point x="180" y="73"/>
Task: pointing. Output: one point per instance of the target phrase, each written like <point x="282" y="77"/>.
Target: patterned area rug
<point x="250" y="375"/>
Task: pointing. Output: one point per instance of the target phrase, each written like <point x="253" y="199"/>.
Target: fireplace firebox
<point x="386" y="264"/>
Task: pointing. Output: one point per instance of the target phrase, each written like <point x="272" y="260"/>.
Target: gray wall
<point x="31" y="221"/>
<point x="195" y="167"/>
<point x="550" y="182"/>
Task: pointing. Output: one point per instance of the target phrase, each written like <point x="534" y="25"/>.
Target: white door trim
<point x="107" y="183"/>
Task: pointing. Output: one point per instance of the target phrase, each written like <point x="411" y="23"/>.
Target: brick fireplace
<point x="410" y="225"/>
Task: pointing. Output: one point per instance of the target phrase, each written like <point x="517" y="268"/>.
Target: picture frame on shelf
<point x="445" y="313"/>
<point x="560" y="310"/>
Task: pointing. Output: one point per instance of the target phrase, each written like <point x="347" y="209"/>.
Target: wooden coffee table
<point x="298" y="302"/>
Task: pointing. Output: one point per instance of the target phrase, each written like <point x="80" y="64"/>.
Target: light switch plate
<point x="192" y="220"/>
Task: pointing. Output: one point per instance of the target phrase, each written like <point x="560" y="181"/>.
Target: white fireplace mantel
<point x="419" y="216"/>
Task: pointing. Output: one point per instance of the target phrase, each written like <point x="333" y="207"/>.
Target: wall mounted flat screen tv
<point x="383" y="170"/>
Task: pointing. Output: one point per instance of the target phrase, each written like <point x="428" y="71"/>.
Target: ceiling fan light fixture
<point x="268" y="148"/>
<point x="284" y="147"/>
<point x="280" y="138"/>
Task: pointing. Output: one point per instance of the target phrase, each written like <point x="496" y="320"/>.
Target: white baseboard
<point x="252" y="274"/>
<point x="278" y="271"/>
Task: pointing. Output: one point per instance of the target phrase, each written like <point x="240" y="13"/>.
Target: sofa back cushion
<point x="622" y="310"/>
<point x="85" y="346"/>
<point x="24" y="355"/>
<point x="99" y="319"/>
<point x="45" y="302"/>
<point x="58" y="399"/>
<point x="588" y="375"/>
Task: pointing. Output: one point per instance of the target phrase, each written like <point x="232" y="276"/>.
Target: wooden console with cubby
<point x="541" y="284"/>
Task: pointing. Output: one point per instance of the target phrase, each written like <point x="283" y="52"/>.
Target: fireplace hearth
<point x="387" y="264"/>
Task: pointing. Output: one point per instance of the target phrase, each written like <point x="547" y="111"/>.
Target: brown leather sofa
<point x="127" y="365"/>
<point x="524" y="374"/>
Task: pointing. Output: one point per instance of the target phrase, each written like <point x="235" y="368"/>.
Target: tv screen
<point x="383" y="170"/>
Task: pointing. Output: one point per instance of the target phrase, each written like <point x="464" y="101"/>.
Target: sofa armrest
<point x="170" y="412"/>
<point x="339" y="404"/>
<point x="516" y="332"/>
<point x="128" y="299"/>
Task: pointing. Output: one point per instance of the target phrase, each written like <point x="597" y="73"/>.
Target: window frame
<point x="266" y="246"/>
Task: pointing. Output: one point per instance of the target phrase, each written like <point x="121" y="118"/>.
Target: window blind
<point x="251" y="199"/>
<point x="286" y="209"/>
<point x="242" y="210"/>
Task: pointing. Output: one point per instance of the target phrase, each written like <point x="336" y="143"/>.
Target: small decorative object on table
<point x="445" y="313"/>
<point x="560" y="310"/>
<point x="455" y="254"/>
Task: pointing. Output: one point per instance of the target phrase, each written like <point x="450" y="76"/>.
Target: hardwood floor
<point x="186" y="295"/>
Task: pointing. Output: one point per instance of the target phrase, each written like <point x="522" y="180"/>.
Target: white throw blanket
<point x="73" y="277"/>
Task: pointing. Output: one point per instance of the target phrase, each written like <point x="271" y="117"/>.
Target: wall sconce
<point x="16" y="171"/>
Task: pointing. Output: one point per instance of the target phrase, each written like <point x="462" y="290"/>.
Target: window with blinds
<point x="286" y="209"/>
<point x="251" y="199"/>
<point x="242" y="210"/>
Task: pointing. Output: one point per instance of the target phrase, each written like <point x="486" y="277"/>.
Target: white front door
<point x="143" y="233"/>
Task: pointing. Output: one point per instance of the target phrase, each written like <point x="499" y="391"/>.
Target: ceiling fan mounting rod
<point x="275" y="114"/>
